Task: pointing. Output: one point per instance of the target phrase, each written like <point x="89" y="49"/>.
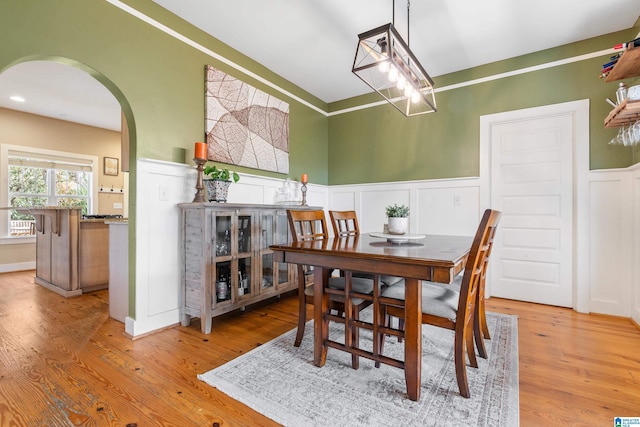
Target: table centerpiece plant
<point x="398" y="219"/>
<point x="218" y="181"/>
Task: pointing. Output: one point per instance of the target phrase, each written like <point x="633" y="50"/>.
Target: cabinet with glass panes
<point x="227" y="263"/>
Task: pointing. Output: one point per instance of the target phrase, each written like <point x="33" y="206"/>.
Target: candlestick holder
<point x="199" y="181"/>
<point x="304" y="194"/>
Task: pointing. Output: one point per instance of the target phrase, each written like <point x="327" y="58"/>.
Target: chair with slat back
<point x="480" y="327"/>
<point x="445" y="307"/>
<point x="310" y="225"/>
<point x="345" y="223"/>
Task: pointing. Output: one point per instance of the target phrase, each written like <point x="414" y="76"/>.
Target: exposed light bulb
<point x="408" y="91"/>
<point x="415" y="97"/>
<point x="401" y="82"/>
<point x="393" y="74"/>
<point x="383" y="66"/>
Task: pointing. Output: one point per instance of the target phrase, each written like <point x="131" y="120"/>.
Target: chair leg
<point x="302" y="316"/>
<point x="483" y="320"/>
<point x="480" y="309"/>
<point x="471" y="351"/>
<point x="480" y="328"/>
<point x="477" y="334"/>
<point x="387" y="323"/>
<point x="461" y="365"/>
<point x="355" y="337"/>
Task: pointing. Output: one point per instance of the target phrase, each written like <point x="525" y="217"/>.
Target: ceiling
<point x="59" y="91"/>
<point x="312" y="43"/>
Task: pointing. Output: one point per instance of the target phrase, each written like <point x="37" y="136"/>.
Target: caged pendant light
<point x="385" y="62"/>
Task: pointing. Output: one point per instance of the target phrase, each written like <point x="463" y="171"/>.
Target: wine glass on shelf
<point x="636" y="132"/>
<point x="617" y="140"/>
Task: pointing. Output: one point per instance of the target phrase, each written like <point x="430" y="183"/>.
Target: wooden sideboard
<point x="226" y="260"/>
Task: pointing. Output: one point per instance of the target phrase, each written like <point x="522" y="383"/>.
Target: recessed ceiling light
<point x="17" y="98"/>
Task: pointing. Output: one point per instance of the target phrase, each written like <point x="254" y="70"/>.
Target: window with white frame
<point x="45" y="178"/>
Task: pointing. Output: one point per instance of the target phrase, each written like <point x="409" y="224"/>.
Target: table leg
<point x="320" y="324"/>
<point x="413" y="337"/>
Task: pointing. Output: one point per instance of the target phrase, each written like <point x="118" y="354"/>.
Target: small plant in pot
<point x="218" y="181"/>
<point x="398" y="219"/>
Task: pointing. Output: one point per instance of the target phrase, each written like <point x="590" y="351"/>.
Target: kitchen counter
<point x="72" y="254"/>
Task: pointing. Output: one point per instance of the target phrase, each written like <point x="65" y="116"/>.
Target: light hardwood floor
<point x="65" y="362"/>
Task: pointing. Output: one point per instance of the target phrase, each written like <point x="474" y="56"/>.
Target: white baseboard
<point x="20" y="266"/>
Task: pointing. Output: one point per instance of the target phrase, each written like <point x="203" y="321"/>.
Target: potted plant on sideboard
<point x="398" y="219"/>
<point x="218" y="181"/>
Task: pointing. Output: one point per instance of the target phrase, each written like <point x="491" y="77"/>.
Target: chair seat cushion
<point x="455" y="285"/>
<point x="358" y="284"/>
<point x="437" y="300"/>
<point x="384" y="279"/>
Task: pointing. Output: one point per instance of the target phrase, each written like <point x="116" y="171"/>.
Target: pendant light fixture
<point x="385" y="62"/>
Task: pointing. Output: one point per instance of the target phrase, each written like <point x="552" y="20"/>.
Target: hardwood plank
<point x="575" y="369"/>
<point x="66" y="362"/>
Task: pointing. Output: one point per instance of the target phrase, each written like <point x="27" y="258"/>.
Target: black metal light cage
<point x="382" y="49"/>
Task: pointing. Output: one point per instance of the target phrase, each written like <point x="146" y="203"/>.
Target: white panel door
<point x="531" y="183"/>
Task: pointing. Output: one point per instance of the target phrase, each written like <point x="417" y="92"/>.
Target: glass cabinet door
<point x="222" y="242"/>
<point x="244" y="277"/>
<point x="223" y="281"/>
<point x="243" y="253"/>
<point x="222" y="235"/>
<point x="282" y="236"/>
<point x="266" y="240"/>
<point x="244" y="234"/>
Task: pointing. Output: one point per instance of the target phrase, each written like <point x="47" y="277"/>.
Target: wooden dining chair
<point x="345" y="223"/>
<point x="310" y="225"/>
<point x="480" y="327"/>
<point x="447" y="308"/>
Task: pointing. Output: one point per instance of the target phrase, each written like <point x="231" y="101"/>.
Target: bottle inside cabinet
<point x="223" y="283"/>
<point x="244" y="276"/>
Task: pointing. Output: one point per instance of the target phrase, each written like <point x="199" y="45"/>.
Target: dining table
<point x="437" y="258"/>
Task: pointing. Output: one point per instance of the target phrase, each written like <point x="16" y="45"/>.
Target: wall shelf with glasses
<point x="626" y="113"/>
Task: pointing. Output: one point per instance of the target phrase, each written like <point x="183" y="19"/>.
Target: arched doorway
<point x="57" y="110"/>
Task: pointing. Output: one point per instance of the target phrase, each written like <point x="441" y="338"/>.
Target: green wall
<point x="159" y="82"/>
<point x="158" y="79"/>
<point x="379" y="144"/>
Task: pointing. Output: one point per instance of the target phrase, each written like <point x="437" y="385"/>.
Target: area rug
<point x="281" y="382"/>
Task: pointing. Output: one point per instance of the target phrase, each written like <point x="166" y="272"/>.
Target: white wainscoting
<point x="610" y="242"/>
<point x="160" y="187"/>
<point x="449" y="206"/>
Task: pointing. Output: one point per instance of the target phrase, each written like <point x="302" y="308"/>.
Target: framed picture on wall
<point x="111" y="166"/>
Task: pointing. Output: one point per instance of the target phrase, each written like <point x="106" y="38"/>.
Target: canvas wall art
<point x="245" y="126"/>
